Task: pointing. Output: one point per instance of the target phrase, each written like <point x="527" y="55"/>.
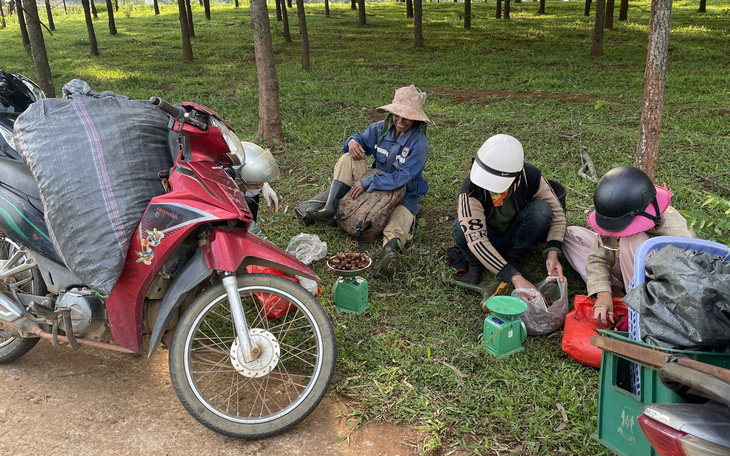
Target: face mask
<point x="252" y="192"/>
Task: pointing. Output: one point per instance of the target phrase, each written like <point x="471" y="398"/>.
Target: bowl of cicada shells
<point x="349" y="263"/>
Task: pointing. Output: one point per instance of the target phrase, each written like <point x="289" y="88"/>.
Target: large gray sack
<point x="96" y="161"/>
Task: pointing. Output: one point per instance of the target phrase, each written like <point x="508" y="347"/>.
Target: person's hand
<point x="603" y="309"/>
<point x="270" y="195"/>
<point x="520" y="282"/>
<point x="355" y="149"/>
<point x="356" y="190"/>
<point x="553" y="266"/>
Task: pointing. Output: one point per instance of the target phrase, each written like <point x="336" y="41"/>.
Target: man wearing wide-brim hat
<point x="400" y="149"/>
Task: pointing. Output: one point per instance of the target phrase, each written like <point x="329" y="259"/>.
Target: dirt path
<point x="95" y="402"/>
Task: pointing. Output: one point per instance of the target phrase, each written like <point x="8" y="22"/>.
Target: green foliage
<point x="415" y="356"/>
<point x="713" y="221"/>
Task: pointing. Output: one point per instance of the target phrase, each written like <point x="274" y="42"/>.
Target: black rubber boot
<point x="388" y="259"/>
<point x="337" y="191"/>
<point x="474" y="274"/>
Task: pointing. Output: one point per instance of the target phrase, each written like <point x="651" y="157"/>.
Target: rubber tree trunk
<point x="417" y="23"/>
<point x="467" y="14"/>
<point x="353" y="4"/>
<point x="49" y="14"/>
<point x="608" y="24"/>
<point x="303" y="34"/>
<point x="93" y="9"/>
<point x="38" y="49"/>
<point x="361" y="19"/>
<point x="409" y="9"/>
<point x="655" y="75"/>
<point x="110" y="12"/>
<point x="587" y="11"/>
<point x="206" y="6"/>
<point x="157" y="7"/>
<point x="2" y="14"/>
<point x="289" y="4"/>
<point x="277" y="3"/>
<point x="269" y="117"/>
<point x="94" y="49"/>
<point x="236" y="3"/>
<point x="498" y="12"/>
<point x="22" y="25"/>
<point x="184" y="31"/>
<point x="703" y="6"/>
<point x="597" y="46"/>
<point x="541" y="8"/>
<point x="326" y="8"/>
<point x="623" y="10"/>
<point x="506" y="8"/>
<point x="189" y="16"/>
<point x="285" y="18"/>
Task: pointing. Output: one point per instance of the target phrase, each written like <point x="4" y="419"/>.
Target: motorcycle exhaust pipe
<point x="91" y="343"/>
<point x="10" y="312"/>
<point x="9" y="309"/>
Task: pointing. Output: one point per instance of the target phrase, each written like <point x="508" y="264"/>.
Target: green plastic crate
<point x="619" y="408"/>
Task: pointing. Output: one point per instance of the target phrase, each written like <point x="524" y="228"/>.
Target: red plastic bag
<point x="580" y="326"/>
<point x="273" y="306"/>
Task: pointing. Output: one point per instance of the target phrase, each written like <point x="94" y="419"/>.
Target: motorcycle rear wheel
<point x="267" y="396"/>
<point x="13" y="347"/>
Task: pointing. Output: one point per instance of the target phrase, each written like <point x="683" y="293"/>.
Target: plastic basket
<point x="692" y="248"/>
<point x="619" y="407"/>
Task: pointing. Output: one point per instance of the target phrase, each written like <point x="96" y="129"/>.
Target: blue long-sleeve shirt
<point x="401" y="160"/>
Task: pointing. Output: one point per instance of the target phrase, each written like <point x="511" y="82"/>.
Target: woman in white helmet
<point x="506" y="206"/>
<point x="253" y="180"/>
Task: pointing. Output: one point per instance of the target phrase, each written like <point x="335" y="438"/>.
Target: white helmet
<point x="260" y="165"/>
<point x="498" y="162"/>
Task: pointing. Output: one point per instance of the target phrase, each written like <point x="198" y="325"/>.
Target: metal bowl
<point x="349" y="272"/>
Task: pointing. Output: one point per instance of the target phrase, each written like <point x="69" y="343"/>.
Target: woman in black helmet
<point x="629" y="209"/>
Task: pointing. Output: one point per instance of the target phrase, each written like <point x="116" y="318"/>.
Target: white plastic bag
<point x="541" y="318"/>
<point x="307" y="248"/>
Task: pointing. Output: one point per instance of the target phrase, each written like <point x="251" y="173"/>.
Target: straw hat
<point x="408" y="103"/>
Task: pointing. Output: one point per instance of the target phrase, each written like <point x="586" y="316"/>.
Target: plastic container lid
<point x="506" y="305"/>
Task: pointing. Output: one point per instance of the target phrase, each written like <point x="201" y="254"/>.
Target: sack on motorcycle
<point x="365" y="217"/>
<point x="96" y="161"/>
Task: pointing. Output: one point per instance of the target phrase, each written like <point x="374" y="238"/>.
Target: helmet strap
<point x="654" y="218"/>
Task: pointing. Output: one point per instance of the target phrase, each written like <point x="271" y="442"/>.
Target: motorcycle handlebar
<point x="176" y="112"/>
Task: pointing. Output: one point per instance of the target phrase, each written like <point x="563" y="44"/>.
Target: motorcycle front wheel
<point x="270" y="394"/>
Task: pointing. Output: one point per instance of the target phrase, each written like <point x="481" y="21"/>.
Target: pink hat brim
<point x="406" y="111"/>
<point x="640" y="223"/>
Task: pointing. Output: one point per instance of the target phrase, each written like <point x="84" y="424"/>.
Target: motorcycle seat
<point x="15" y="174"/>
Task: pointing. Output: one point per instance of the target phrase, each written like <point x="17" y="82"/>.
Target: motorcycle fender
<point x="232" y="249"/>
<point x="192" y="275"/>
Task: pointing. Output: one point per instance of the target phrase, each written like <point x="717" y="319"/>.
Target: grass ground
<point x="416" y="355"/>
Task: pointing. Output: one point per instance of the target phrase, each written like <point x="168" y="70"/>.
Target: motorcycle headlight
<point x="234" y="144"/>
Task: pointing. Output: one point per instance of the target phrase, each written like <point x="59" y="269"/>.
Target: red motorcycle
<point x="235" y="368"/>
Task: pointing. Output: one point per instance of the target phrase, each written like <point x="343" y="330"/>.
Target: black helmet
<point x="621" y="195"/>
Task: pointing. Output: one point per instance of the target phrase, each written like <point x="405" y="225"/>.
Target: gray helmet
<point x="260" y="165"/>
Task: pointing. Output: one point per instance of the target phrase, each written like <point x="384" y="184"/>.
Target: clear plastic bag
<point x="307" y="248"/>
<point x="541" y="317"/>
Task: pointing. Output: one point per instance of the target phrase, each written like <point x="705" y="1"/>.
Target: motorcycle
<point x="235" y="369"/>
<point x="16" y="93"/>
<point x="700" y="426"/>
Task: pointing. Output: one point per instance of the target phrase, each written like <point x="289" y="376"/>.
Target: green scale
<point x="504" y="330"/>
<point x="350" y="292"/>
